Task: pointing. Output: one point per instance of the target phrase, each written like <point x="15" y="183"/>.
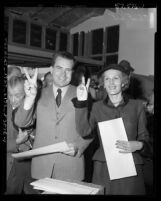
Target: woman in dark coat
<point x="116" y="105"/>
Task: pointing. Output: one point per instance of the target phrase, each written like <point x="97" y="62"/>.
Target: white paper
<point x="120" y="165"/>
<point x="62" y="187"/>
<point x="58" y="147"/>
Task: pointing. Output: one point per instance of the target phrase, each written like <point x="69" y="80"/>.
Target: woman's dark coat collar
<point x="108" y="102"/>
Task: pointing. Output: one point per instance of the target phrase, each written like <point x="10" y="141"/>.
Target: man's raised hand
<point x="82" y="90"/>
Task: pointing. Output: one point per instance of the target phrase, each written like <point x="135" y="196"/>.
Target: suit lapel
<point x="49" y="99"/>
<point x="65" y="105"/>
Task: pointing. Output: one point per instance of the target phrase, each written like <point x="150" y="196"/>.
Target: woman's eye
<point x="19" y="96"/>
<point x="68" y="70"/>
<point x="58" y="68"/>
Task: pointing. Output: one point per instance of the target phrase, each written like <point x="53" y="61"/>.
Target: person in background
<point x="148" y="159"/>
<point x="55" y="115"/>
<point x="96" y="88"/>
<point x="127" y="88"/>
<point x="18" y="140"/>
<point x="116" y="105"/>
<point x="48" y="79"/>
<point x="79" y="71"/>
<point x="13" y="71"/>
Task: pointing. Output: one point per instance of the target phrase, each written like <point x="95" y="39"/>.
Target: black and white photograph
<point x="78" y="113"/>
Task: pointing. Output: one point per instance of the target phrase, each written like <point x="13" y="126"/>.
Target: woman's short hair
<point x="13" y="71"/>
<point x="15" y="80"/>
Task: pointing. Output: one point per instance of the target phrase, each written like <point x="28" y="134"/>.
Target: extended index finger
<point x="27" y="74"/>
<point x="88" y="82"/>
<point x="35" y="75"/>
<point x="83" y="80"/>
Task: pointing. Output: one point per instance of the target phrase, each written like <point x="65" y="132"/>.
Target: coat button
<point x="56" y="137"/>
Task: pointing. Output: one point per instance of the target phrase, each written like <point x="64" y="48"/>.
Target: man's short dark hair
<point x="63" y="54"/>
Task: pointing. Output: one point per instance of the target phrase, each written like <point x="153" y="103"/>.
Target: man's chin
<point x="14" y="106"/>
<point x="64" y="84"/>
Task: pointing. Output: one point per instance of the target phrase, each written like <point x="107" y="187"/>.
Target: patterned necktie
<point x="58" y="97"/>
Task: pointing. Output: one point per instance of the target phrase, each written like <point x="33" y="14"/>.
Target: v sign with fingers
<point x="82" y="90"/>
<point x="30" y="87"/>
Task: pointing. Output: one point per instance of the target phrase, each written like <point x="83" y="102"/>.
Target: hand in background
<point x="30" y="85"/>
<point x="128" y="146"/>
<point x="82" y="90"/>
<point x="22" y="137"/>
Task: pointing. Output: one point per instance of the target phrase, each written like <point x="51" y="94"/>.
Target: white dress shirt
<point x="63" y="89"/>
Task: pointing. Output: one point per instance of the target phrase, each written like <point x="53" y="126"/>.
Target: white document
<point x="58" y="147"/>
<point x="62" y="187"/>
<point x="120" y="165"/>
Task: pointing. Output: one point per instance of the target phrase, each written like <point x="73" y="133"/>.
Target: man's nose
<point x="64" y="73"/>
<point x="14" y="99"/>
<point x="111" y="81"/>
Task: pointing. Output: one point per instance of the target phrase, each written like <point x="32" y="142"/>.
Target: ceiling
<point x="63" y="17"/>
<point x="60" y="16"/>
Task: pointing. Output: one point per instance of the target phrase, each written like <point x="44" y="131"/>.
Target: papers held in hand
<point x="119" y="165"/>
<point x="63" y="187"/>
<point x="54" y="148"/>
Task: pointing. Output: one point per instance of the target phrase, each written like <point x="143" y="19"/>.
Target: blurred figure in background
<point x="48" y="79"/>
<point x="18" y="139"/>
<point x="13" y="71"/>
<point x="126" y="65"/>
<point x="148" y="159"/>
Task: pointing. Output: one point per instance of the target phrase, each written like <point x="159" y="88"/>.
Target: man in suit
<point x="55" y="115"/>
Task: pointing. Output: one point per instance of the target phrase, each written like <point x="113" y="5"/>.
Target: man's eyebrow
<point x="59" y="66"/>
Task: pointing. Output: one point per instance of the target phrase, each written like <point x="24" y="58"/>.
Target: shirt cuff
<point x="144" y="151"/>
<point x="79" y="104"/>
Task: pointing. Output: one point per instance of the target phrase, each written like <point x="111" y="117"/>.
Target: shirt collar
<point x="64" y="90"/>
<point x="108" y="102"/>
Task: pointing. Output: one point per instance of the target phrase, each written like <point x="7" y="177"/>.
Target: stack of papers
<point x="63" y="187"/>
<point x="54" y="148"/>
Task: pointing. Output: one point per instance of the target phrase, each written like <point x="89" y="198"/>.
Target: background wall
<point x="136" y="40"/>
<point x="137" y="29"/>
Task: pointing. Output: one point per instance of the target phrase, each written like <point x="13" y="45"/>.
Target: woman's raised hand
<point x="82" y="90"/>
